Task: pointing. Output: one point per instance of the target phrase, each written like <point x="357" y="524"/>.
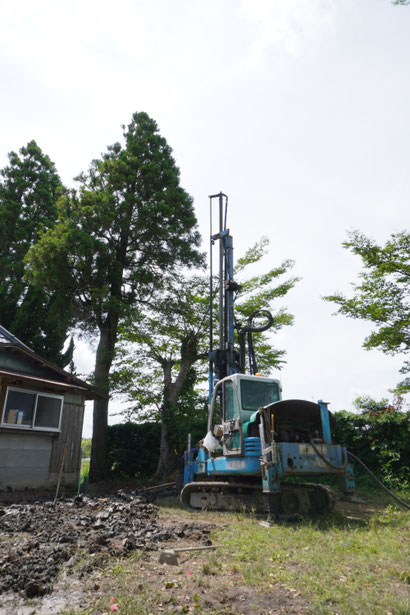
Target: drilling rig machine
<point x="259" y="447"/>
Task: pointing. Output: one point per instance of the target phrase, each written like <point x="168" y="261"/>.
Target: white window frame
<point x="32" y="427"/>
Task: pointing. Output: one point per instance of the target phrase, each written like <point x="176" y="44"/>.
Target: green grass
<point x="342" y="566"/>
<point x="356" y="561"/>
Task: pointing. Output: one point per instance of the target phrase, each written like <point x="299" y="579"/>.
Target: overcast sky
<point x="297" y="109"/>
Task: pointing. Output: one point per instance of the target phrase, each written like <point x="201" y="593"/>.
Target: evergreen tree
<point x="29" y="189"/>
<point x="129" y="223"/>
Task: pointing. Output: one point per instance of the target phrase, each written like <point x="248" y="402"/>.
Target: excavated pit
<point x="38" y="539"/>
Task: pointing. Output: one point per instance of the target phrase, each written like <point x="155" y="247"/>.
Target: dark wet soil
<point x="39" y="539"/>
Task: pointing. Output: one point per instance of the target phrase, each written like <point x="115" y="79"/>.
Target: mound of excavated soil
<point x="38" y="539"/>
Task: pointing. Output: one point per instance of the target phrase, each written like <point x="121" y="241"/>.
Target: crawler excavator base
<point x="296" y="499"/>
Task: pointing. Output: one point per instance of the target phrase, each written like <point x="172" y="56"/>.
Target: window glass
<point x="256" y="393"/>
<point x="217" y="409"/>
<point x="32" y="409"/>
<point x="48" y="412"/>
<point x="231" y="405"/>
<point x="19" y="408"/>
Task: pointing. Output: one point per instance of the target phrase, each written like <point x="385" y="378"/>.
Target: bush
<point x="381" y="439"/>
<point x="133" y="449"/>
<point x="86" y="448"/>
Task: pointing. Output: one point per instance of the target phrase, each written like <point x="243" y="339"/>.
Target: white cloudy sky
<point x="297" y="109"/>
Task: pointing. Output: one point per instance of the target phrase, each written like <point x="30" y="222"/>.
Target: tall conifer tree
<point x="129" y="222"/>
<point x="29" y="189"/>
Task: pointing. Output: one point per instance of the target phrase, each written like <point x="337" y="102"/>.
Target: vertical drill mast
<point x="222" y="361"/>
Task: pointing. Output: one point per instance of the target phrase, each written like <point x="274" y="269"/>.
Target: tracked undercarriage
<point x="293" y="499"/>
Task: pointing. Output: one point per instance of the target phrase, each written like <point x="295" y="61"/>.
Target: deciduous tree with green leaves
<point x="29" y="189"/>
<point x="163" y="361"/>
<point x="383" y="296"/>
<point x="128" y="224"/>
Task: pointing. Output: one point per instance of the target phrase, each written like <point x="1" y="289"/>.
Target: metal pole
<point x="221" y="277"/>
<point x="211" y="309"/>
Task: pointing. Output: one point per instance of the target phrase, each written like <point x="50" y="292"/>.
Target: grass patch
<point x="341" y="566"/>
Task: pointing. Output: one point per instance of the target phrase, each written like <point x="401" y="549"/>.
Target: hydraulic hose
<point x="251" y="328"/>
<point x="370" y="473"/>
<point x="327" y="462"/>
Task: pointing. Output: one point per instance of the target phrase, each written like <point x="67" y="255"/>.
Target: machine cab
<point x="235" y="400"/>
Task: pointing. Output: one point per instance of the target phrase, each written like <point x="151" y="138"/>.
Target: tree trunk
<point x="98" y="463"/>
<point x="167" y="458"/>
<point x="166" y="461"/>
<point x="171" y="393"/>
<point x="103" y="361"/>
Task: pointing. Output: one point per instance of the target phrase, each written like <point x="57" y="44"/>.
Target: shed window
<point x="33" y="410"/>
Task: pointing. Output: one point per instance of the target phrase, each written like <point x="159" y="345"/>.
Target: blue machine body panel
<point x="294" y="459"/>
<point x="302" y="459"/>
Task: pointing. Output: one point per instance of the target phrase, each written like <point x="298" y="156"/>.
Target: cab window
<point x="231" y="403"/>
<point x="256" y="394"/>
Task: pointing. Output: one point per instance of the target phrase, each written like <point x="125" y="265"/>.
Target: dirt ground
<point x="86" y="549"/>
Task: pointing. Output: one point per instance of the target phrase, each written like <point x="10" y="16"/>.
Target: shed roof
<point x="10" y="343"/>
<point x="8" y="338"/>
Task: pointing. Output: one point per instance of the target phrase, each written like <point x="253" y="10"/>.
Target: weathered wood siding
<point x="70" y="437"/>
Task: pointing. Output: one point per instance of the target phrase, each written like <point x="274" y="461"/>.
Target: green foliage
<point x="379" y="436"/>
<point x="168" y="336"/>
<point x="382" y="297"/>
<point x="133" y="449"/>
<point x="163" y="361"/>
<point x="128" y="224"/>
<point x="29" y="188"/>
<point x="172" y="333"/>
<point x="86" y="448"/>
<point x="188" y="416"/>
<point x="259" y="292"/>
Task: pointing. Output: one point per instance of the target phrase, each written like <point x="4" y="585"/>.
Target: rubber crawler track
<point x="322" y="499"/>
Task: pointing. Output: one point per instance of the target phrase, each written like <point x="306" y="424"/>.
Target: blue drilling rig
<point x="260" y="448"/>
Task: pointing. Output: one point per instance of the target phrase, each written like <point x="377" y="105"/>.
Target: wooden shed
<point x="42" y="411"/>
